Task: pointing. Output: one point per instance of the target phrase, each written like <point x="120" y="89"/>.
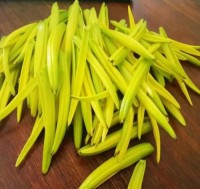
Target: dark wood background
<point x="180" y="162"/>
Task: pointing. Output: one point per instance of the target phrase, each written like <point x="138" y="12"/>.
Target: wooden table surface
<point x="180" y="160"/>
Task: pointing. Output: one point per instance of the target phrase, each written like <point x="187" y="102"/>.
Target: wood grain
<point x="180" y="162"/>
